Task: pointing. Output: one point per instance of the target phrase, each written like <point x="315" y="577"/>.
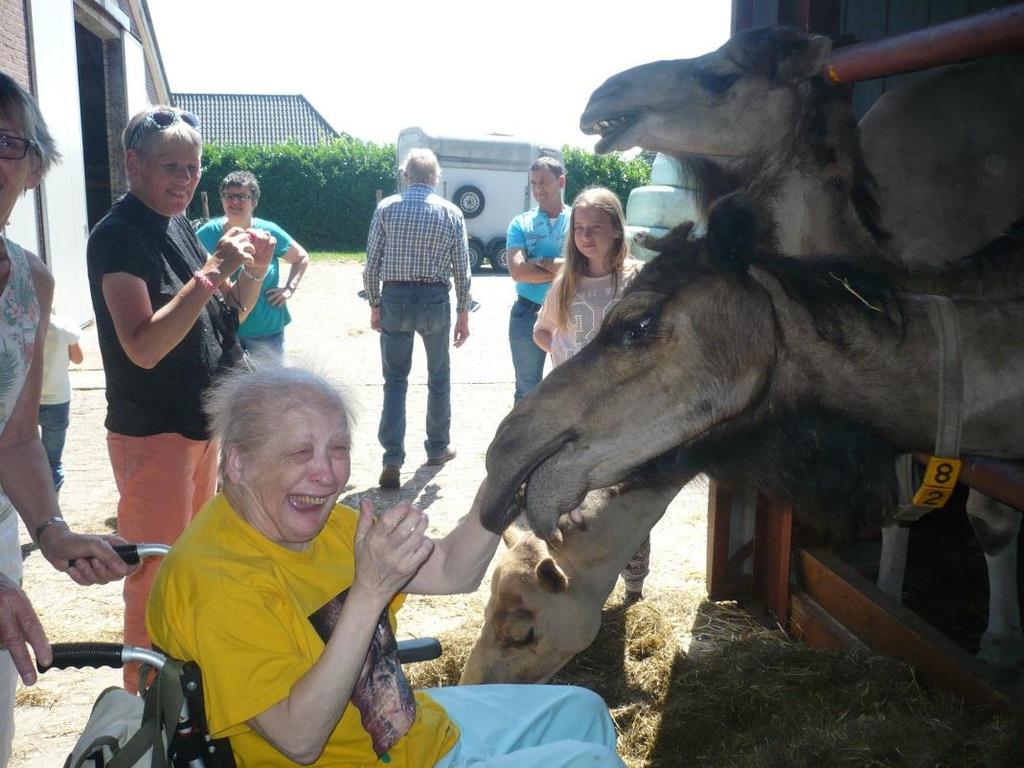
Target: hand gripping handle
<point x="133" y="553"/>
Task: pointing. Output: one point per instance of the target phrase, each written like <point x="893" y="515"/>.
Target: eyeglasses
<point x="160" y="119"/>
<point x="14" y="147"/>
<point x="235" y="197"/>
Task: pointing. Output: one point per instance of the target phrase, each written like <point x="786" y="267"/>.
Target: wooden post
<point x="206" y="205"/>
<point x="380" y="195"/>
<point x="719" y="583"/>
<point x="772" y="542"/>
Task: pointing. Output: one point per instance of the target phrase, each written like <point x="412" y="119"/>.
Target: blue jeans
<point x="268" y="348"/>
<point x="527" y="358"/>
<point x="404" y="312"/>
<point x="53" y="428"/>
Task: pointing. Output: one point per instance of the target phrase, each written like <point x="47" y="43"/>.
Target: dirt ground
<point x="331" y="333"/>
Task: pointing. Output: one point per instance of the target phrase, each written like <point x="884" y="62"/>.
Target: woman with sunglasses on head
<point x="26" y="292"/>
<point x="262" y="333"/>
<point x="166" y="317"/>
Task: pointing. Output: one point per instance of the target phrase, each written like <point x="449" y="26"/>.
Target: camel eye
<point x="524" y="642"/>
<point x="637" y="332"/>
<point x="717" y="82"/>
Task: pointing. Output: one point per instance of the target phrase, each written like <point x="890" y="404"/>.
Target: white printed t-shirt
<point x="594" y="297"/>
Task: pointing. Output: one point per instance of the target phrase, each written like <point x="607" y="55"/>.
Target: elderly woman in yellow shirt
<point x="288" y="602"/>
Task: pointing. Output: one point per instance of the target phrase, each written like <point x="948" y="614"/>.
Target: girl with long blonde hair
<point x="598" y="266"/>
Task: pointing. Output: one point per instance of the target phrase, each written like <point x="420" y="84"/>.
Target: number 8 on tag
<point x="939" y="480"/>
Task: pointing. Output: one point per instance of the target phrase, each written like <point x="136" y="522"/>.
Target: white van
<point x="669" y="199"/>
<point x="487" y="177"/>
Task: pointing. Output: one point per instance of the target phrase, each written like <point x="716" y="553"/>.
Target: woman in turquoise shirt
<point x="262" y="333"/>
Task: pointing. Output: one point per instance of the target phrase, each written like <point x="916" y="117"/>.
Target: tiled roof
<point x="248" y="118"/>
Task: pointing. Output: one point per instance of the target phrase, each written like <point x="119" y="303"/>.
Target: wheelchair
<point x="187" y="741"/>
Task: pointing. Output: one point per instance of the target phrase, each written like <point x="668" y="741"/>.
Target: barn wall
<point x="851" y="21"/>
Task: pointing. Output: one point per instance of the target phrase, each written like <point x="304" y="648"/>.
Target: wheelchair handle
<point x="115" y="655"/>
<point x="133" y="553"/>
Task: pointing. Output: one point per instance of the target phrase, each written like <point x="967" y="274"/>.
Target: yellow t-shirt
<point x="254" y="616"/>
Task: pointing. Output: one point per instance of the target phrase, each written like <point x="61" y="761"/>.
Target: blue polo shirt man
<point x="535" y="243"/>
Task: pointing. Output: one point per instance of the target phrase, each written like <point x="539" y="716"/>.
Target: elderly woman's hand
<point x="234" y="250"/>
<point x="390" y="549"/>
<point x="20" y="628"/>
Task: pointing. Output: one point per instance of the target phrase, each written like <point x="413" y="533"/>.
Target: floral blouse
<point x="19" y="319"/>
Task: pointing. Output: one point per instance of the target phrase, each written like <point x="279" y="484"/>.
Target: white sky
<point x="373" y="67"/>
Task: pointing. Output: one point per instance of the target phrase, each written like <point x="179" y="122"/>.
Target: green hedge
<point x="584" y="169"/>
<point x="324" y="196"/>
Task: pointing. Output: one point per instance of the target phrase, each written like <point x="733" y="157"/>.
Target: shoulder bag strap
<point x="163" y="701"/>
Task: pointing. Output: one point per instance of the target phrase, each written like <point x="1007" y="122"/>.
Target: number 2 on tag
<point x="939" y="480"/>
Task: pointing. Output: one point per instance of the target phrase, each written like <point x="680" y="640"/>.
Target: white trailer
<point x="487" y="177"/>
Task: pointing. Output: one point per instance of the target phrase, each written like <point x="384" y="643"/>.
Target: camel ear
<point x="511" y="535"/>
<point x="551" y="577"/>
<point x="732" y="232"/>
<point x="802" y="58"/>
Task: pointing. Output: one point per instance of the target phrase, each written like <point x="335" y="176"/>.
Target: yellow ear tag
<point x="939" y="480"/>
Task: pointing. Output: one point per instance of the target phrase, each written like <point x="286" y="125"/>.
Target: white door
<point x="134" y="74"/>
<point x="65" y="223"/>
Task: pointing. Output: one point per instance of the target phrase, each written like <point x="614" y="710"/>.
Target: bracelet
<point x="204" y="281"/>
<point x="55" y="520"/>
<point x="252" y="277"/>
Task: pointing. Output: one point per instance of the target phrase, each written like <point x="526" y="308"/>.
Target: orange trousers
<point x="163" y="481"/>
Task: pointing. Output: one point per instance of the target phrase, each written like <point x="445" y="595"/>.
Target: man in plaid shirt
<point x="417" y="244"/>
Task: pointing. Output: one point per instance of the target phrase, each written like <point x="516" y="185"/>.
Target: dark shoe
<point x="390" y="477"/>
<point x="444" y="458"/>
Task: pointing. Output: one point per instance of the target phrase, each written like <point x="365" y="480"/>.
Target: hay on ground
<point x="748" y="697"/>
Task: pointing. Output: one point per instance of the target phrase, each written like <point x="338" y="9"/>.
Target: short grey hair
<point x="421" y="167"/>
<point x="243" y="406"/>
<point x="242" y="179"/>
<point x="19" y="106"/>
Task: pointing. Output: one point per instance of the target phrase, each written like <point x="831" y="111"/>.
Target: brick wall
<point x="14" y="41"/>
<point x="117" y="113"/>
<point x="126" y="6"/>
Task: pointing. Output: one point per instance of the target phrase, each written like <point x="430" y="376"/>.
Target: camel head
<point x="690" y="345"/>
<point x="737" y="102"/>
<point x="536" y="620"/>
<point x="546" y="598"/>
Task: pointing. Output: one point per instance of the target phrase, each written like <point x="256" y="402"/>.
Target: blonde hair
<point x="567" y="282"/>
<point x="141" y="136"/>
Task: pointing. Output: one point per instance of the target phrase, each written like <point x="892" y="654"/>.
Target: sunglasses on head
<point x="160" y="119"/>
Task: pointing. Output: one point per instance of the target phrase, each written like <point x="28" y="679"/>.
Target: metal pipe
<point x="1000" y="479"/>
<point x="983" y="34"/>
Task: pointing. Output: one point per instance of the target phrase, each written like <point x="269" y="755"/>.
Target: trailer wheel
<point x="476" y="254"/>
<point x="470" y="201"/>
<point x="498" y="254"/>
